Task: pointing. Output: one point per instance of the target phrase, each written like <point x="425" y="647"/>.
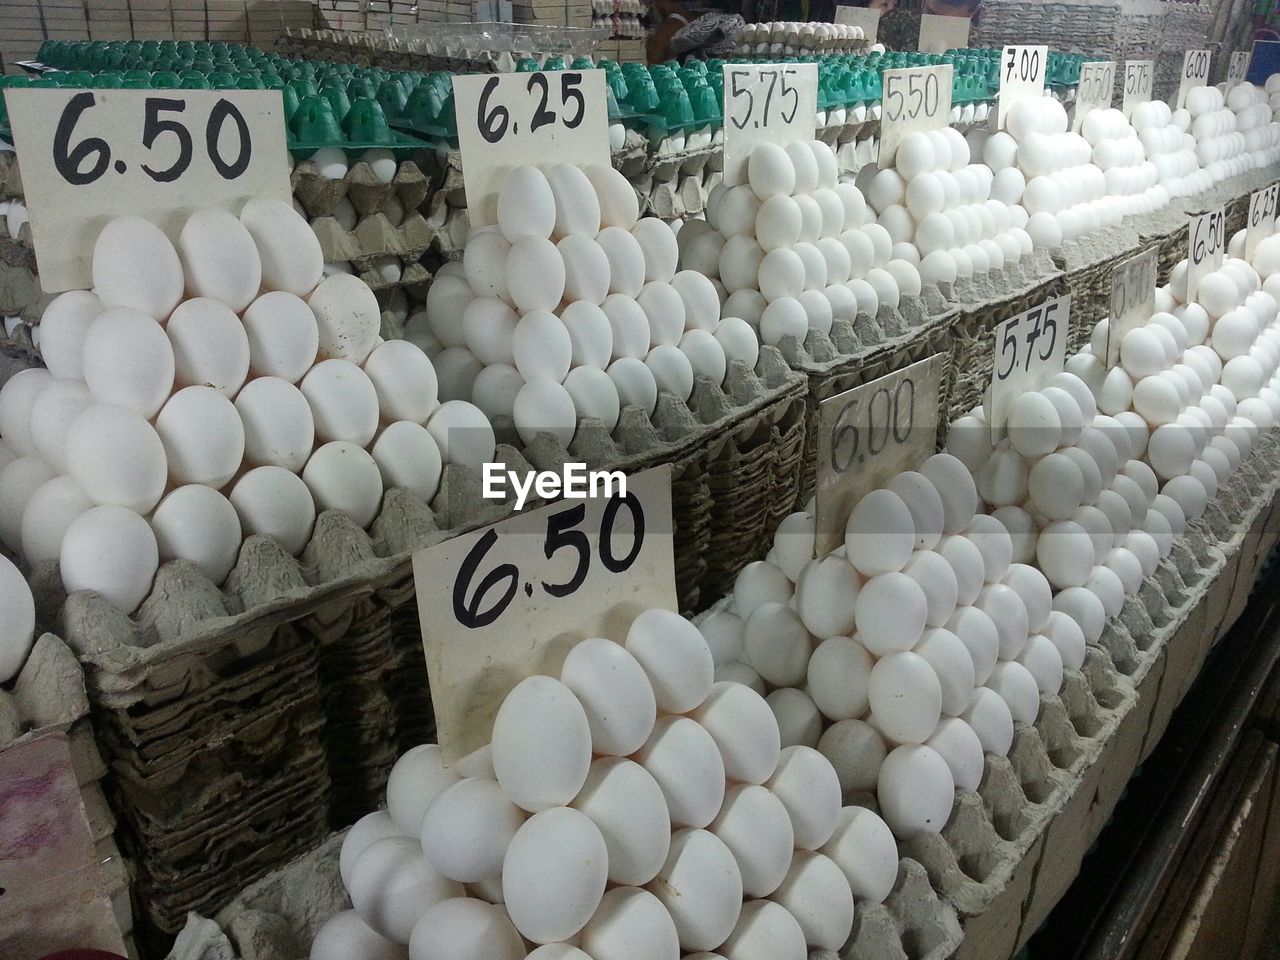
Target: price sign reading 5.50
<point x="1022" y="71"/>
<point x="913" y="98"/>
<point x="766" y="102"/>
<point x="1133" y="300"/>
<point x="1097" y="81"/>
<point x="867" y="435"/>
<point x="89" y="155"/>
<point x="506" y="602"/>
<point x="1138" y="78"/>
<point x="1206" y="243"/>
<point x="509" y="119"/>
<point x="1262" y="218"/>
<point x="1195" y="73"/>
<point x="1029" y="349"/>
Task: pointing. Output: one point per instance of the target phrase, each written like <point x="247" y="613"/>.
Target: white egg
<point x="838" y="674"/>
<point x="211" y="348"/>
<point x="116" y="457"/>
<point x="526" y="205"/>
<point x="271" y="501"/>
<point x="808" y="787"/>
<point x="701" y="887"/>
<point x="551" y="775"/>
<point x="287" y="248"/>
<point x="284" y="339"/>
<point x="345" y="934"/>
<point x="392" y="884"/>
<point x="915" y="791"/>
<point x="128" y="361"/>
<point x="464" y="928"/>
<point x="112" y="551"/>
<point x="536" y="274"/>
<point x="204" y="437"/>
<point x="219" y="259"/>
<point x="617" y="197"/>
<point x="198" y="524"/>
<point x="63" y="326"/>
<point x="135" y="266"/>
<point x="627" y="805"/>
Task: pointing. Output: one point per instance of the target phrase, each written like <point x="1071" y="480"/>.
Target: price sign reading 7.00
<point x="869" y="434"/>
<point x="89" y="155"/>
<point x="1029" y="349"/>
<point x="506" y="602"/>
<point x="913" y="98"/>
<point x="504" y="119"/>
<point x="766" y="103"/>
<point x="1206" y="243"/>
<point x="1022" y="71"/>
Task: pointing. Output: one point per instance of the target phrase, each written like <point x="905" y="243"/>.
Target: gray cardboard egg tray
<point x="277" y="918"/>
<point x="47" y="698"/>
<point x="1010" y="850"/>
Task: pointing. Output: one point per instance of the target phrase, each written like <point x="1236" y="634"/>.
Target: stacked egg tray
<point x="981" y="308"/>
<point x="20" y="293"/>
<point x="276" y="918"/>
<point x="48" y="698"/>
<point x="1088" y="263"/>
<point x="1080" y="27"/>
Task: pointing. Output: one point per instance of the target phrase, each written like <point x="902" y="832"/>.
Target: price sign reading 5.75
<point x="1195" y="73"/>
<point x="1206" y="243"/>
<point x="506" y="602"/>
<point x="89" y="155"/>
<point x="1022" y="72"/>
<point x="1262" y="218"/>
<point x="913" y="98"/>
<point x="1139" y="75"/>
<point x="510" y="119"/>
<point x="766" y="103"/>
<point x="867" y="435"/>
<point x="1029" y="349"/>
<point x="1097" y="81"/>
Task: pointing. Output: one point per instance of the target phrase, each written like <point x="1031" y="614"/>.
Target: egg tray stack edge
<point x="48" y="698"/>
<point x="277" y="917"/>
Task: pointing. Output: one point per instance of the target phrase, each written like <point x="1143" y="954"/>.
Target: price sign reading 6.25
<point x="1262" y="218"/>
<point x="1029" y="349"/>
<point x="1206" y="243"/>
<point x="913" y="98"/>
<point x="89" y="155"/>
<point x="507" y="601"/>
<point x="509" y="119"/>
<point x="766" y="103"/>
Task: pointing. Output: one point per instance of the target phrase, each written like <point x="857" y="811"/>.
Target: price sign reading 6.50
<point x="1206" y="243"/>
<point x="507" y="601"/>
<point x="913" y="98"/>
<point x="1133" y="300"/>
<point x="867" y="435"/>
<point x="509" y="119"/>
<point x="766" y="103"/>
<point x="89" y="155"/>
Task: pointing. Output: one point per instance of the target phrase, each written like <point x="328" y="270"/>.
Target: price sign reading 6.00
<point x="1206" y="243"/>
<point x="1195" y="73"/>
<point x="506" y="120"/>
<point x="766" y="103"/>
<point x="913" y="98"/>
<point x="867" y="435"/>
<point x="506" y="602"/>
<point x="89" y="155"/>
<point x="1029" y="349"/>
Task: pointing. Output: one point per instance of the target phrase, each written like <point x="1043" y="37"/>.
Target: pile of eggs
<point x="332" y="163"/>
<point x="1234" y="134"/>
<point x="633" y="809"/>
<point x="906" y="654"/>
<point x="1131" y="181"/>
<point x="793" y="249"/>
<point x="1169" y="146"/>
<point x="790" y="38"/>
<point x="572" y="307"/>
<point x="1272" y="91"/>
<point x="950" y="215"/>
<point x="17" y="620"/>
<point x="209" y="390"/>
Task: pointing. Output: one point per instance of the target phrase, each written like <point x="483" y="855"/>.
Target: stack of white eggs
<point x="793" y="249"/>
<point x="208" y="391"/>
<point x="906" y="654"/>
<point x="1168" y="145"/>
<point x="1253" y="119"/>
<point x="17" y="620"/>
<point x="1233" y="137"/>
<point x="571" y="307"/>
<point x="1272" y="91"/>
<point x="790" y="38"/>
<point x="946" y="214"/>
<point x="633" y="809"/>
<point x="1132" y="182"/>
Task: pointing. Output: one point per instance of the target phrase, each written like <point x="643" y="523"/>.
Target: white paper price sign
<point x="938" y="34"/>
<point x="1139" y="75"/>
<point x="912" y="98"/>
<point x="1195" y="73"/>
<point x="90" y="155"/>
<point x="1097" y="83"/>
<point x="1133" y="300"/>
<point x="1029" y="349"/>
<point x="1206" y="243"/>
<point x="1262" y="218"/>
<point x="867" y="18"/>
<point x="1239" y="68"/>
<point x="1022" y="70"/>
<point x="868" y="435"/>
<point x="507" y="120"/>
<point x="508" y="601"/>
<point x="766" y="103"/>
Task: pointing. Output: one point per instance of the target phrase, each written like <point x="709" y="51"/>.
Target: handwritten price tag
<point x="1138" y="78"/>
<point x="90" y="155"/>
<point x="766" y="103"/>
<point x="1097" y="82"/>
<point x="1206" y="242"/>
<point x="1022" y="71"/>
<point x="506" y="120"/>
<point x="1239" y="68"/>
<point x="1195" y="73"/>
<point x="867" y="18"/>
<point x="1133" y="300"/>
<point x="507" y="602"/>
<point x="1029" y="349"/>
<point x="868" y="435"/>
<point x="1262" y="218"/>
<point x="913" y="98"/>
<point x="938" y="34"/>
